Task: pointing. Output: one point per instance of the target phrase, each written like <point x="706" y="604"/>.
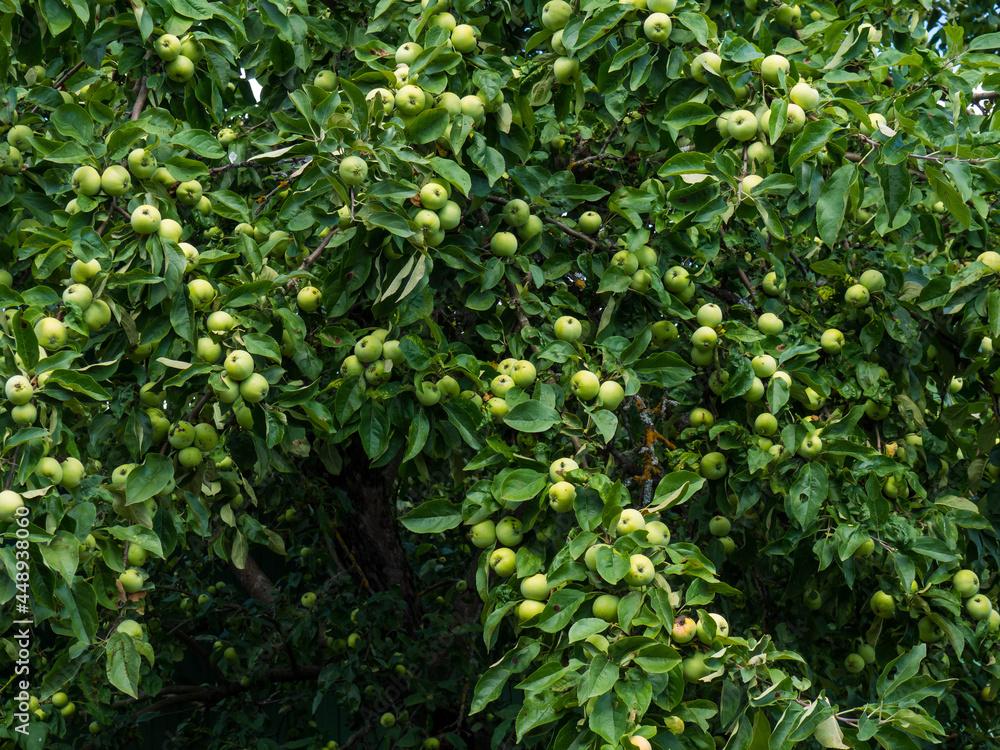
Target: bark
<point x="373" y="541"/>
<point x="254" y="581"/>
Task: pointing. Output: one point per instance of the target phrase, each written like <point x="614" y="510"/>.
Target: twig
<point x="13" y="466"/>
<point x="140" y="100"/>
<point x="746" y="281"/>
<point x="314" y="255"/>
<point x="199" y="405"/>
<point x="515" y="302"/>
<point x="555" y="222"/>
<point x="249" y="163"/>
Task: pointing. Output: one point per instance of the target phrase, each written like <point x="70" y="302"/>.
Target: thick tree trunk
<point x="373" y="540"/>
<point x="254" y="581"/>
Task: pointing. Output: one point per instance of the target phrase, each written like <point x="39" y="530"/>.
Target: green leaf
<point x="807" y="494"/>
<point x="62" y="554"/>
<point x="149" y="479"/>
<point x="515" y="486"/>
<point x="532" y="416"/>
<point x="72" y="121"/>
<point x="429" y="125"/>
<point x="675" y="488"/>
<point x="78" y="382"/>
<point x="813" y="138"/>
<point x="833" y="203"/>
<point x="895" y="181"/>
<point x="201" y="142"/>
<point x="686" y="114"/>
<point x="123" y="663"/>
<point x="432" y="517"/>
<point x="139" y="536"/>
<point x="374" y="428"/>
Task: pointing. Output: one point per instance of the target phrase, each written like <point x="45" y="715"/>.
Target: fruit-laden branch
<point x="522" y="319"/>
<point x="555" y="222"/>
<point x="251" y="163"/>
<point x="313" y="256"/>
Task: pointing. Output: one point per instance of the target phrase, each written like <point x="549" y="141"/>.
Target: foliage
<point x="405" y="305"/>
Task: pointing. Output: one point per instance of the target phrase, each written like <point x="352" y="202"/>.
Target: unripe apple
<point x="18" y="390"/>
<point x="503" y="244"/>
<point x="368" y="349"/>
<point x="585" y="385"/>
<point x="167" y="47"/>
<point x="832" y="341"/>
<point x="701" y="417"/>
<point x="770" y="67"/>
<point x="684" y="629"/>
<point x="189" y="192"/>
<point x="705" y="61"/>
<point x="854" y="663"/>
<point x="556" y="14"/>
<point x="770" y="324"/>
<point x="145" y="220"/>
<point x="611" y="394"/>
<point x="883" y="604"/>
<point x="50" y="332"/>
<point x="560" y="467"/>
<point x="79" y="295"/>
<point x="141" y="163"/>
<point x="641" y="571"/>
<point x="709" y="315"/>
<point x="516" y="213"/>
<point x="483" y="534"/>
<point x="966" y="583"/>
<point x="804" y="95"/>
<point x="354" y="170"/>
<point x="589" y="222"/>
<point x="180" y="69"/>
<point x="254" y="388"/>
<point x="704" y="338"/>
<point x="713" y="465"/>
<point x="561" y="497"/>
<point x="24" y="414"/>
<point x="464" y="38"/>
<point x="568" y="328"/>
<point x="10" y="501"/>
<point x="742" y="125"/>
<point x="657" y="27"/>
<point x="721" y="629"/>
<point x="605" y="607"/>
<point x="503" y="562"/>
<point x="664" y="332"/>
<point x="566" y="69"/>
<point x="115" y="180"/>
<point x="86" y="181"/>
<point x="978" y="607"/>
<point x="131" y="580"/>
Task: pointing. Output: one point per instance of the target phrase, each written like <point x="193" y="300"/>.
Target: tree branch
<point x="140" y="99"/>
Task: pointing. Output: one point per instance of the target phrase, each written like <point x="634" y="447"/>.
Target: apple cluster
<point x="179" y="57"/>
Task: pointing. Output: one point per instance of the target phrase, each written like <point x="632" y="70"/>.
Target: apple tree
<point x="582" y="374"/>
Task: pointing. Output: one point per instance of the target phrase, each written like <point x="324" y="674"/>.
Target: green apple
<point x="566" y="69"/>
<point x="853" y="663"/>
<point x="167" y="47"/>
<point x="804" y="96"/>
<point x="630" y="520"/>
<point x="664" y="332"/>
<point x="641" y="571"/>
<point x="180" y="69"/>
<point x="500" y="385"/>
<point x="528" y="609"/>
<point x="145" y="220"/>
<point x="703" y="62"/>
<point x="568" y="328"/>
<point x="503" y="562"/>
<point x="498" y="408"/>
<point x="770" y="67"/>
<point x="704" y="338"/>
<point x="141" y="163"/>
<point x="353" y="170"/>
<point x="18" y="390"/>
<point x="561" y="497"/>
<point x="883" y="604"/>
<point x="811" y="447"/>
<point x="713" y="465"/>
<point x="676" y="280"/>
<point x="765" y="424"/>
<point x="308" y="600"/>
<point x="812" y="599"/>
<point x="509" y="532"/>
<point x="130" y="580"/>
<point x="10" y="501"/>
<point x="832" y="341"/>
<point x="560" y="467"/>
<point x="764" y="365"/>
<point x="875" y="410"/>
<point x="556" y="14"/>
<point x="605" y="607"/>
<point x="50" y="332"/>
<point x="990" y="258"/>
<point x="116" y="180"/>
<point x="130" y="628"/>
<point x="721" y="629"/>
<point x="368" y="349"/>
<point x="770" y="324"/>
<point x="326" y="80"/>
<point x="410" y="101"/>
<point x="464" y="38"/>
<point x="742" y="125"/>
<point x="472" y="106"/>
<point x="694" y="668"/>
<point x="641" y="281"/>
<point x="450" y="216"/>
<point x="657" y="27"/>
<point x="433" y="196"/>
<point x="760" y="153"/>
<point x="535" y="587"/>
<point x="86" y="181"/>
<point x="483" y="534"/>
<point x="719" y="526"/>
<point x="585" y="385"/>
<point x="516" y="213"/>
<point x="978" y="607"/>
<point x="684" y="629"/>
<point x="97" y="315"/>
<point x="701" y="417"/>
<point x="966" y="583"/>
<point x="254" y="388"/>
<point x="589" y="222"/>
<point x="407" y="53"/>
<point x="709" y="315"/>
<point x="875" y="122"/>
<point x="611" y="394"/>
<point x="857" y="296"/>
<point x="24" y="414"/>
<point x="503" y="244"/>
<point x="387" y="98"/>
